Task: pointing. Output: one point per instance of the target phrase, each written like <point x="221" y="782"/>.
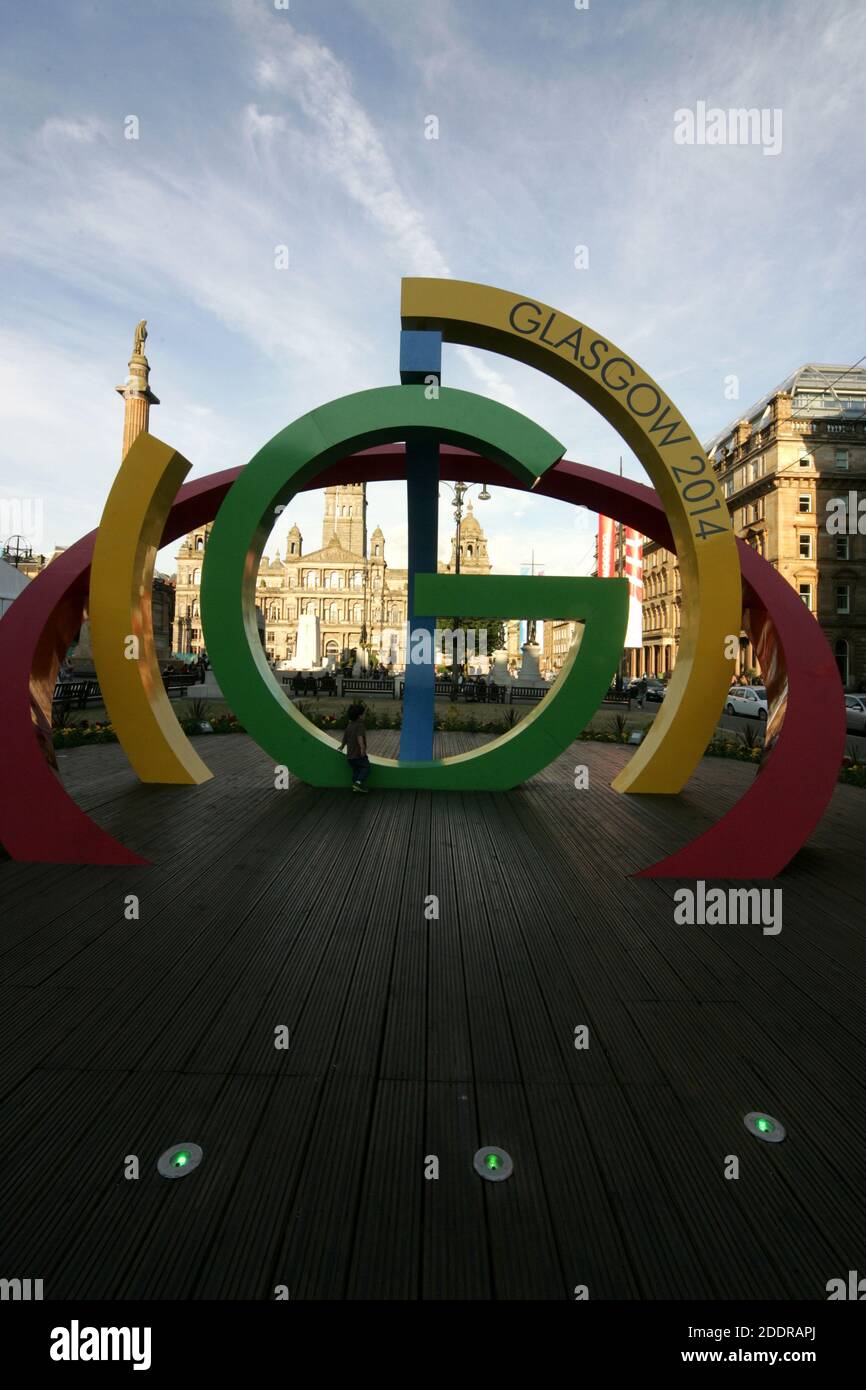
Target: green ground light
<point x="180" y="1160"/>
<point x="492" y="1161"/>
<point x="764" y="1125"/>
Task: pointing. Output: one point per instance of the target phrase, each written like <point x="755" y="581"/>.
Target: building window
<point x="843" y="551"/>
<point x="196" y="578"/>
<point x="843" y="598"/>
<point x="805" y="545"/>
<point x="842" y="458"/>
<point x="806" y="595"/>
<point x="841" y="653"/>
<point x="805" y="502"/>
<point x="293" y="548"/>
<point x="805" y="460"/>
<point x="199" y="542"/>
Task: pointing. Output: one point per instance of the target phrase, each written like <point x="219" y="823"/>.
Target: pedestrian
<point x="354" y="741"/>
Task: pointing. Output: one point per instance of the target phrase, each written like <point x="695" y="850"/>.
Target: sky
<point x="305" y="125"/>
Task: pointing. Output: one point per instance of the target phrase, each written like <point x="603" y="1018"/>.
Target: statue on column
<point x="140" y="339"/>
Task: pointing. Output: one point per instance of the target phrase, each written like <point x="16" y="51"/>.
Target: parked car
<point x="749" y="700"/>
<point x="855" y="714"/>
<point x="632" y="686"/>
<point x="655" y="692"/>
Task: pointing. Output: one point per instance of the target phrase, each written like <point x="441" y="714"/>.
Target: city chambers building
<point x="779" y="466"/>
<point x="346" y="583"/>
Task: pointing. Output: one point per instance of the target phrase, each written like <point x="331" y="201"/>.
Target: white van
<point x="750" y="700"/>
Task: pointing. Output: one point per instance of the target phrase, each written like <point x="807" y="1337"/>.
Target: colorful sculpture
<point x="600" y="372"/>
<point x="298" y="454"/>
<point x="38" y="821"/>
<point x="121" y="622"/>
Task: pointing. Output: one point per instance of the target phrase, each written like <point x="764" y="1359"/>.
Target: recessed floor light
<point x="764" y="1127"/>
<point x="179" y="1160"/>
<point x="493" y="1164"/>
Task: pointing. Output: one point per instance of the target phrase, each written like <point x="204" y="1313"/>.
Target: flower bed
<point x="83" y="734"/>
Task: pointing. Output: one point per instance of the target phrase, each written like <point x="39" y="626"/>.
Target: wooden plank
<point x="415" y="1036"/>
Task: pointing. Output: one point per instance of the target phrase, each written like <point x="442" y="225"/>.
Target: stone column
<point x="136" y="392"/>
<point x="529" y="673"/>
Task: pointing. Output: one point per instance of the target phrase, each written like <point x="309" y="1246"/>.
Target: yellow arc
<point x="637" y="408"/>
<point x="121" y="614"/>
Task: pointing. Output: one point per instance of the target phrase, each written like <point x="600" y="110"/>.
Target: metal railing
<point x="78" y="694"/>
<point x="360" y="685"/>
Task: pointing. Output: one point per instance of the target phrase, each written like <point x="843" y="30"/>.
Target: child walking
<point x="355" y="743"/>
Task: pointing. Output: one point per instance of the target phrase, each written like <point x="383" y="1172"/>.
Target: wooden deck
<point x="412" y="1037"/>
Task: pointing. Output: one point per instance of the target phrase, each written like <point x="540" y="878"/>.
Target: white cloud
<point x="258" y="124"/>
<point x="58" y="130"/>
<point x="305" y="130"/>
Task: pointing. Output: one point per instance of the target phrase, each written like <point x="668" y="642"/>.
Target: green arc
<point x="294" y="458"/>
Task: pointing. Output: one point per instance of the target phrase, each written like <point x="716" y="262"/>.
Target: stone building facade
<point x="779" y="466"/>
<point x="346" y="583"/>
<point x="355" y="595"/>
<point x="558" y="637"/>
<point x="474" y="558"/>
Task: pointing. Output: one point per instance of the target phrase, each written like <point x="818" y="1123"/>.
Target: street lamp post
<point x="459" y="491"/>
<point x="16" y="550"/>
<point x="367" y="598"/>
<point x="382" y="599"/>
<point x="531" y="623"/>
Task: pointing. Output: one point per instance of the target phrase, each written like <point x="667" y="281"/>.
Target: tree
<point x="493" y="628"/>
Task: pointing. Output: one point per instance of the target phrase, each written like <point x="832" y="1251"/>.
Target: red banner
<point x="606" y="534"/>
<point x="634" y="562"/>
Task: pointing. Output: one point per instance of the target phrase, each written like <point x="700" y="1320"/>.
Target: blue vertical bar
<point x="420" y="359"/>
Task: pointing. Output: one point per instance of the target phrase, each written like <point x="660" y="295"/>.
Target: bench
<point x="78" y="693"/>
